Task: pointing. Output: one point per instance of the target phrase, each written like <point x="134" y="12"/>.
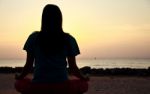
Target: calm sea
<point x="93" y="63"/>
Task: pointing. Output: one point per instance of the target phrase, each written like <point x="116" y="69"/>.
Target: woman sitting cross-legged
<point x="49" y="51"/>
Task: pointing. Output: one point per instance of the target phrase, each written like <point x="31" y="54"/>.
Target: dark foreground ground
<point x="97" y="84"/>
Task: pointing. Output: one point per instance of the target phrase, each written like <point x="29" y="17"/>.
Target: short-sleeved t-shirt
<point x="50" y="69"/>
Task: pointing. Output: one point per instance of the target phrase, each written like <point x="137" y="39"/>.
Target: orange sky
<point x="102" y="28"/>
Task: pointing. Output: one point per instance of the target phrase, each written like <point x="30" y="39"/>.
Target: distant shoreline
<point x="93" y="63"/>
<point x="94" y="72"/>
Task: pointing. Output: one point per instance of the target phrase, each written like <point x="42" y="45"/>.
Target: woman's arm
<point x="27" y="67"/>
<point x="73" y="68"/>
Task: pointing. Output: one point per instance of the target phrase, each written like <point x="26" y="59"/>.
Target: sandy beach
<point x="97" y="85"/>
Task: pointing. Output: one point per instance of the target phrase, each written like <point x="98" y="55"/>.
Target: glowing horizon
<point x="102" y="28"/>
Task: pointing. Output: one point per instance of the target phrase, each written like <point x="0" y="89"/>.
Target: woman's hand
<point x="85" y="78"/>
<point x="74" y="70"/>
<point x="18" y="76"/>
<point x="27" y="67"/>
<point x="73" y="77"/>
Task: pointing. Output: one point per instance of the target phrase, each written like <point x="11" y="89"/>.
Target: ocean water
<point x="93" y="63"/>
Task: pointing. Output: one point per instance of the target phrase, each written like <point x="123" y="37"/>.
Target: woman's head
<point x="51" y="37"/>
<point x="51" y="18"/>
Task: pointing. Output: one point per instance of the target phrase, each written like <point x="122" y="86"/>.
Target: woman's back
<point x="51" y="68"/>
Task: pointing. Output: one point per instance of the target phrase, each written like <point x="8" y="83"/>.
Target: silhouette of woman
<point x="50" y="50"/>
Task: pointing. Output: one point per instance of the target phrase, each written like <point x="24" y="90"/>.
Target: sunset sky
<point x="102" y="28"/>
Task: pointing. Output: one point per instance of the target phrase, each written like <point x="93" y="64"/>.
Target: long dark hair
<point x="51" y="36"/>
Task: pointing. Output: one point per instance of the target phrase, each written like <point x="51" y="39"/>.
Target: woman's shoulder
<point x="70" y="39"/>
<point x="69" y="36"/>
<point x="32" y="37"/>
<point x="35" y="33"/>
